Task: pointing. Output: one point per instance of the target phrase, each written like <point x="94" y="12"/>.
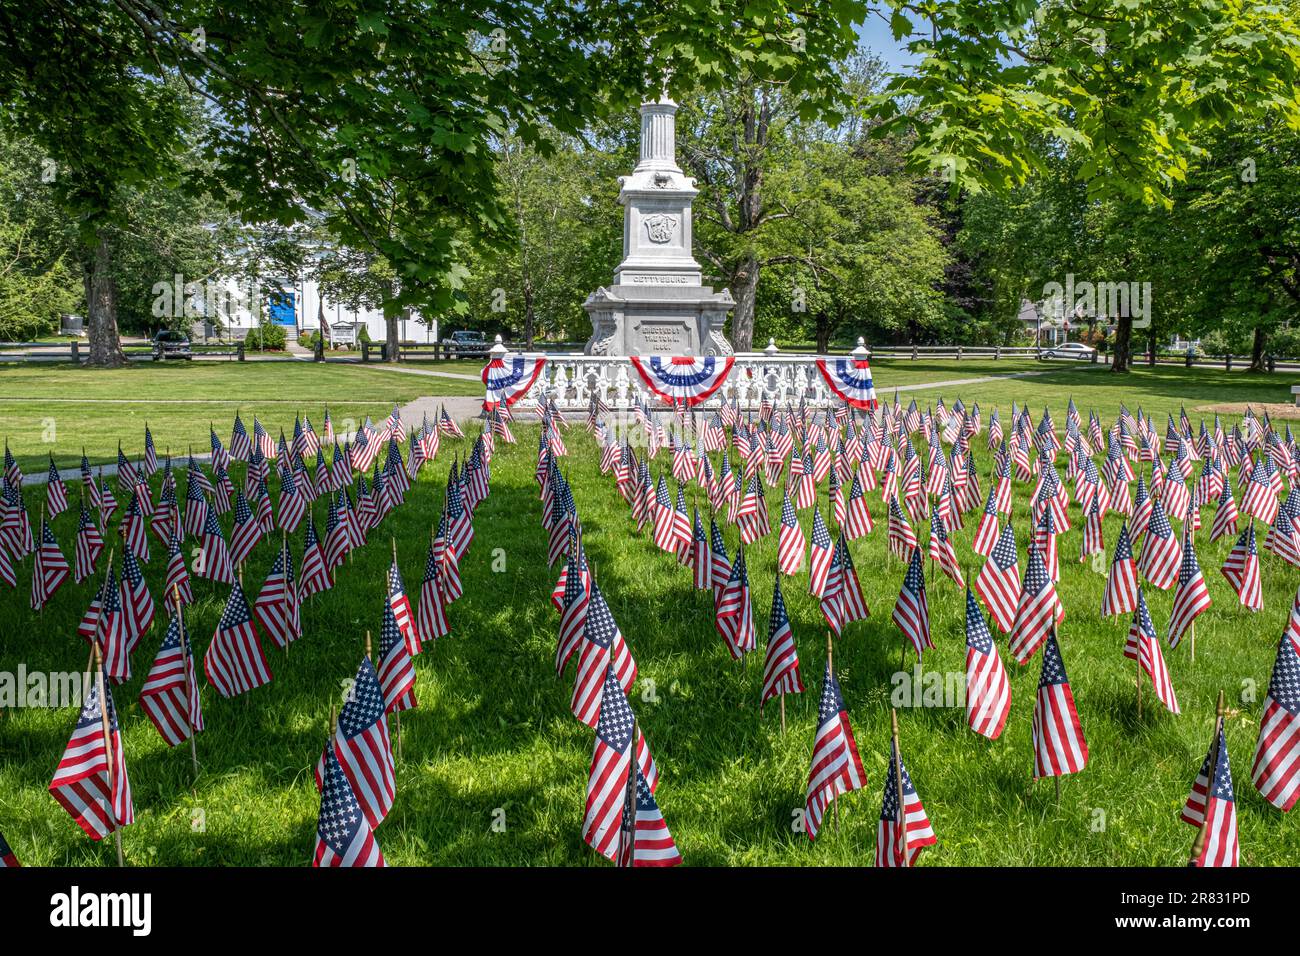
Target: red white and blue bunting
<point x="507" y="381"/>
<point x="850" y="379"/>
<point x="683" y="379"/>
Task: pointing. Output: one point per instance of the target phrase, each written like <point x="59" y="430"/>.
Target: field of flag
<point x="983" y="537"/>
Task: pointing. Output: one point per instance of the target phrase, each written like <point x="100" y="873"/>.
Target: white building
<point x="298" y="308"/>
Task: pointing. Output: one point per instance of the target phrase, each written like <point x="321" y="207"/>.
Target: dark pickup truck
<point x="461" y="344"/>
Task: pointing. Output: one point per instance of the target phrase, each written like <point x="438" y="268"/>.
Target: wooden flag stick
<point x="284" y="569"/>
<point x="108" y="752"/>
<point x="1198" y="844"/>
<point x="830" y="670"/>
<point x="898" y="780"/>
<point x="1191" y="637"/>
<point x="1139" y="679"/>
<point x="629" y="801"/>
<point x="782" y="714"/>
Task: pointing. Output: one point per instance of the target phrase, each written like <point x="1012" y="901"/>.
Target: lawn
<point x="493" y="742"/>
<point x="62" y="408"/>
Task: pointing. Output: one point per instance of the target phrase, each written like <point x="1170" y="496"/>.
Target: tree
<point x="861" y="255"/>
<point x="733" y="139"/>
<point x="381" y="109"/>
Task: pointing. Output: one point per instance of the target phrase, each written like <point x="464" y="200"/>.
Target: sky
<point x="876" y="36"/>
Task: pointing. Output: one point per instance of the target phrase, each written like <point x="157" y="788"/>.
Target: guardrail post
<point x="1096" y="354"/>
<point x="1189" y="358"/>
<point x="76" y="353"/>
<point x="958" y="353"/>
<point x="913" y="351"/>
<point x="997" y="352"/>
<point x="239" y="351"/>
<point x="365" y="351"/>
<point x="1272" y="363"/>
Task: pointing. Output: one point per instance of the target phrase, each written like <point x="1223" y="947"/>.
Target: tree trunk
<point x="744" y="286"/>
<point x="101" y="306"/>
<point x="1151" y="349"/>
<point x="823" y="333"/>
<point x="528" y="316"/>
<point x="1123" y="354"/>
<point x="392" y="336"/>
<point x="1257" y="350"/>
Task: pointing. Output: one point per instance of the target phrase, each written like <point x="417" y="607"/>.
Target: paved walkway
<point x="955" y="382"/>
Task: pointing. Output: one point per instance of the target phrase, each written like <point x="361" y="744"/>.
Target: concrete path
<point x="955" y="382"/>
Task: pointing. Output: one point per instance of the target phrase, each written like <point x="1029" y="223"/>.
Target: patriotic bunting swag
<point x="683" y="379"/>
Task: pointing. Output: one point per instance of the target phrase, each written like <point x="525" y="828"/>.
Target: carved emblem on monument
<point x="660" y="227"/>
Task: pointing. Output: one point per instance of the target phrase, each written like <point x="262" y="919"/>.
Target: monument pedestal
<point x="657" y="303"/>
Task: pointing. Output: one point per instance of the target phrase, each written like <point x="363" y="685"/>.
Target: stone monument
<point x="656" y="303"/>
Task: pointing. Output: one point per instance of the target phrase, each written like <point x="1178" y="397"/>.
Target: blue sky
<point x="876" y="36"/>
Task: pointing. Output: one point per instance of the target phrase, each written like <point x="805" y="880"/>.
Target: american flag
<point x="791" y="541"/>
<point x="1038" y="611"/>
<point x="401" y="606"/>
<point x="998" y="582"/>
<point x="836" y="766"/>
<point x="104" y="624"/>
<point x="1161" y="553"/>
<point x="170" y="696"/>
<point x="1059" y="745"/>
<point x="133" y="531"/>
<point x="1192" y="597"/>
<point x="89" y="544"/>
<point x="986" y="534"/>
<point x="245" y="532"/>
<point x="241" y="448"/>
<point x="719" y="559"/>
<point x="1120" y="595"/>
<point x="361" y="746"/>
<point x="899" y="843"/>
<point x="96" y="796"/>
<point x="196" y="507"/>
<point x="902" y="539"/>
<point x="644" y="837"/>
<point x="235" y="663"/>
<point x="56" y="493"/>
<point x="7" y="858"/>
<point x="844" y="601"/>
<point x="611" y="762"/>
<point x="315" y="570"/>
<point x="1276" y="768"/>
<point x="941" y="550"/>
<point x="819" y="555"/>
<point x="263" y="442"/>
<point x="1260" y="497"/>
<point x="573" y="608"/>
<point x="1143" y="646"/>
<point x="137" y="603"/>
<point x="857" y="517"/>
<point x="396" y="671"/>
<point x="343" y="835"/>
<point x="701" y="561"/>
<point x="293" y="503"/>
<point x="1215" y="811"/>
<point x="1241" y="568"/>
<point x="50" y="569"/>
<point x="1225" y="518"/>
<point x="781" y="673"/>
<point x="1092" y="542"/>
<point x="1282" y="539"/>
<point x="277" y="604"/>
<point x="431" y="616"/>
<point x="735" y="611"/>
<point x="603" y="647"/>
<point x="1142" y="507"/>
<point x="988" y="692"/>
<point x="912" y="610"/>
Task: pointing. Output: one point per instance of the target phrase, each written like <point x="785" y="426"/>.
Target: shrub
<point x="268" y="336"/>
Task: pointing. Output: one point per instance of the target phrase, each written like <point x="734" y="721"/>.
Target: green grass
<point x="493" y="729"/>
<point x="62" y="408"/>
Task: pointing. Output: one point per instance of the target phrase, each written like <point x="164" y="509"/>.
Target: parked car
<point x="1070" y="350"/>
<point x="171" y="345"/>
<point x="464" y="343"/>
